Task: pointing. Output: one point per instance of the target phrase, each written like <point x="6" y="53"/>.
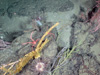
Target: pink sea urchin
<point x="40" y="66"/>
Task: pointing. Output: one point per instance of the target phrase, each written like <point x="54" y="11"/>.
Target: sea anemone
<point x="40" y="66"/>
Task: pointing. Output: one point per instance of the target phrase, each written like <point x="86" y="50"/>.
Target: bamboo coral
<point x="23" y="61"/>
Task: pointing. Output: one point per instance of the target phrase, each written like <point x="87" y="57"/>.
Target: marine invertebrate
<point x="23" y="61"/>
<point x="38" y="21"/>
<point x="40" y="66"/>
<point x="33" y="41"/>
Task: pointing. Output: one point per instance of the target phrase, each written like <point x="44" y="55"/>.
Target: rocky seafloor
<point x="74" y="44"/>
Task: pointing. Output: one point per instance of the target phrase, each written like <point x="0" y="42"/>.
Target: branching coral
<point x="23" y="61"/>
<point x="63" y="57"/>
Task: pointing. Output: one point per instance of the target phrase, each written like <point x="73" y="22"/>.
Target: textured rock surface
<point x="51" y="50"/>
<point x="18" y="17"/>
<point x="64" y="36"/>
<point x="50" y="11"/>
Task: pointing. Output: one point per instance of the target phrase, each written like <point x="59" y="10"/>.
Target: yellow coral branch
<point x="36" y="54"/>
<point x="38" y="49"/>
<point x="46" y="33"/>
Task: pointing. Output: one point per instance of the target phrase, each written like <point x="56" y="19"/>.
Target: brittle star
<point x="33" y="41"/>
